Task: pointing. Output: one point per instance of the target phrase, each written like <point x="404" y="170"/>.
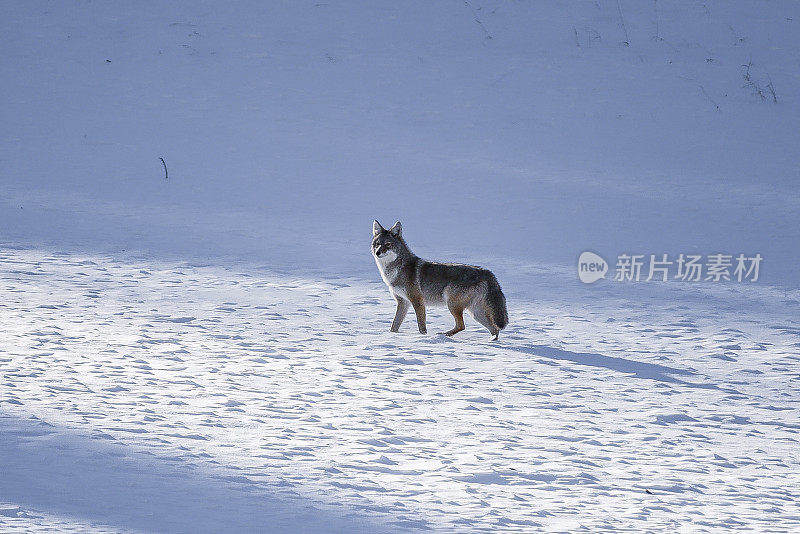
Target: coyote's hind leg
<point x="458" y="314"/>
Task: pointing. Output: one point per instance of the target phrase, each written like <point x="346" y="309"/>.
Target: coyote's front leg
<point x="419" y="309"/>
<point x="400" y="314"/>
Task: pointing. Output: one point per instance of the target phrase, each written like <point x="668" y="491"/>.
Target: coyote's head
<point x="387" y="244"/>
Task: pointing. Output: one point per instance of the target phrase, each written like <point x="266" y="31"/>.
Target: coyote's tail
<point x="496" y="303"/>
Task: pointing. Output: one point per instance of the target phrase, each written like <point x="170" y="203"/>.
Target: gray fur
<point x="416" y="283"/>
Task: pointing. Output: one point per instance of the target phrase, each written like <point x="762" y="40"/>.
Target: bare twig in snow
<point x="761" y="91"/>
<point x="475" y="14"/>
<point x="655" y="10"/>
<point x="591" y="35"/>
<point x="166" y="174"/>
<point x="703" y="90"/>
<point x="622" y="22"/>
<point x="736" y="37"/>
<point x="771" y="90"/>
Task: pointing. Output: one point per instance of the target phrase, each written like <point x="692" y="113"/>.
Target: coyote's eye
<point x="388" y="245"/>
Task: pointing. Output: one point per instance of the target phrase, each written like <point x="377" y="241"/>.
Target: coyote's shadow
<point x="636" y="369"/>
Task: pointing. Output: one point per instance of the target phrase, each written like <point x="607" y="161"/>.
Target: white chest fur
<point x="388" y="272"/>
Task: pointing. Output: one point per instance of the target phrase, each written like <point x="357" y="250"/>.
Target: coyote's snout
<point x="418" y="283"/>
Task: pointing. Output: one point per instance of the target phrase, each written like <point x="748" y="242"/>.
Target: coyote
<point x="417" y="282"/>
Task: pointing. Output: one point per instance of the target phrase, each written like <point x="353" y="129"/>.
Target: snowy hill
<point x="281" y="120"/>
<point x="202" y="344"/>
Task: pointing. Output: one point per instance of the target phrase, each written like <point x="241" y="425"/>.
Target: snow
<point x="287" y="124"/>
<point x="210" y="351"/>
<point x="135" y="390"/>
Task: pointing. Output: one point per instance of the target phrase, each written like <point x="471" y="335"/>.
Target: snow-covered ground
<point x="169" y="397"/>
<point x="210" y="351"/>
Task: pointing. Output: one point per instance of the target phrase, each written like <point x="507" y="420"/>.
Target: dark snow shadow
<point x="636" y="369"/>
<point x="67" y="474"/>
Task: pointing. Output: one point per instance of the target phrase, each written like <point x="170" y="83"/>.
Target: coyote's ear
<point x="377" y="228"/>
<point x="397" y="229"/>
